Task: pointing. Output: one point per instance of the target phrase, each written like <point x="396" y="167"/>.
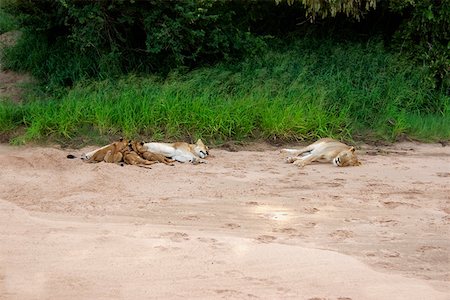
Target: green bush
<point x="424" y="35"/>
<point x="420" y="28"/>
<point x="72" y="39"/>
<point x="7" y="22"/>
<point x="104" y="39"/>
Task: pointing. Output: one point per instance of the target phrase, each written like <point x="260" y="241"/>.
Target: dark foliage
<point x="84" y="39"/>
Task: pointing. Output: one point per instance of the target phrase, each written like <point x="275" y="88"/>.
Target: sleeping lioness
<point x="139" y="148"/>
<point x="324" y="150"/>
<point x="111" y="153"/>
<point x="180" y="151"/>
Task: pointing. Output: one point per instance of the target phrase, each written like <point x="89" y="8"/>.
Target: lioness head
<point x="346" y="158"/>
<point x="200" y="149"/>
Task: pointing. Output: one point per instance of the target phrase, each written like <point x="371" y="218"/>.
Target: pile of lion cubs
<point x="126" y="151"/>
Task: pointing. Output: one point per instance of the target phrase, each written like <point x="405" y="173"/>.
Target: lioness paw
<point x="291" y="159"/>
<point x="199" y="161"/>
<point x="299" y="163"/>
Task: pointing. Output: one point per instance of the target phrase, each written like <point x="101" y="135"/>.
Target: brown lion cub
<point x="139" y="148"/>
<point x="324" y="150"/>
<point x="132" y="158"/>
<point x="111" y="153"/>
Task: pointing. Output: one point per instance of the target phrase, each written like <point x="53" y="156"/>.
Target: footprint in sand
<point x="191" y="218"/>
<point x="232" y="225"/>
<point x="265" y="239"/>
<point x="332" y="184"/>
<point x="352" y="220"/>
<point x="394" y="204"/>
<point x="424" y="249"/>
<point x="341" y="235"/>
<point x="385" y="236"/>
<point x="212" y="243"/>
<point x="443" y="174"/>
<point x="388" y="253"/>
<point x="234" y="294"/>
<point x="285" y="230"/>
<point x="309" y="224"/>
<point x="165" y="249"/>
<point x="176" y="236"/>
<point x="343" y="180"/>
<point x="338" y="298"/>
<point x="385" y="222"/>
<point x="215" y="262"/>
<point x="310" y="210"/>
<point x="206" y="240"/>
<point x="290" y="232"/>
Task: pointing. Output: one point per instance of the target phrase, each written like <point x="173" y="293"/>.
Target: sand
<point x="245" y="225"/>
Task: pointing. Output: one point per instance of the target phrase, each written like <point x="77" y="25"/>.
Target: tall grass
<point x="306" y="90"/>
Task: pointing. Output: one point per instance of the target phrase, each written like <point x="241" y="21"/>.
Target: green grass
<point x="7" y="22"/>
<point x="310" y="89"/>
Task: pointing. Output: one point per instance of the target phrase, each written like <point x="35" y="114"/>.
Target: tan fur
<point x="111" y="153"/>
<point x="139" y="148"/>
<point x="132" y="158"/>
<point x="324" y="150"/>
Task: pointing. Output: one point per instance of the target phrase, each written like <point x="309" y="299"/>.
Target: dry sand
<point x="246" y="225"/>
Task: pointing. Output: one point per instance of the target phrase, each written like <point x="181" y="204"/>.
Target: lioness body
<point x="111" y="153"/>
<point x="180" y="151"/>
<point x="324" y="150"/>
<point x="139" y="148"/>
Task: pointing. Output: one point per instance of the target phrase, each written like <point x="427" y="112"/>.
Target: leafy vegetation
<point x="325" y="8"/>
<point x="226" y="70"/>
<point x="74" y="40"/>
<point x="303" y="90"/>
<point x="424" y="36"/>
<point x="7" y="22"/>
<point x="104" y="39"/>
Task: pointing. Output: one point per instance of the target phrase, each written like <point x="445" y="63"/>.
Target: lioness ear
<point x="142" y="143"/>
<point x="121" y="139"/>
<point x="352" y="149"/>
<point x="199" y="142"/>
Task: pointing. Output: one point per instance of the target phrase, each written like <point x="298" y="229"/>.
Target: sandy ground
<point x="246" y="225"/>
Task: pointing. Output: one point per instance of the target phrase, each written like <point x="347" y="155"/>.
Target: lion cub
<point x="139" y="148"/>
<point x="111" y="153"/>
<point x="132" y="158"/>
<point x="324" y="150"/>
